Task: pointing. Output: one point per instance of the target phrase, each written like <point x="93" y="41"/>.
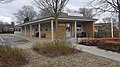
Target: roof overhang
<point x="51" y="18"/>
<point x="77" y="19"/>
<point x="37" y="21"/>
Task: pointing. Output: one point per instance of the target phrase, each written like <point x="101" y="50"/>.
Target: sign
<point x="61" y="24"/>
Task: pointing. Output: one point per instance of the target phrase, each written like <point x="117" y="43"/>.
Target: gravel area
<point x="12" y="40"/>
<point x="82" y="59"/>
<point x="77" y="60"/>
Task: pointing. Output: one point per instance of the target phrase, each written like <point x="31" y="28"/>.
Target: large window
<point x="79" y="27"/>
<point x="44" y="28"/>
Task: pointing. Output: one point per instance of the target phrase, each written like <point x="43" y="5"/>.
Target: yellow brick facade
<point x="87" y="27"/>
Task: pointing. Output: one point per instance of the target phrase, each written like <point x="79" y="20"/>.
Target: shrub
<point x="112" y="44"/>
<point x="11" y="56"/>
<point x="108" y="39"/>
<point x="54" y="49"/>
<point x="89" y="42"/>
<point x="96" y="41"/>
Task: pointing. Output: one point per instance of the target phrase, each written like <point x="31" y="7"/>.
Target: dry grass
<point x="54" y="49"/>
<point x="12" y="56"/>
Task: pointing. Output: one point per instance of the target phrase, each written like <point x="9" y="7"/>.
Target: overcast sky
<point x="7" y="10"/>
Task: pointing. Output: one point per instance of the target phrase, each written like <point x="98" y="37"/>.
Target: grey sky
<point x="7" y="10"/>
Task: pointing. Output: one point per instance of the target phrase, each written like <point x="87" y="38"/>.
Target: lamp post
<point x="112" y="34"/>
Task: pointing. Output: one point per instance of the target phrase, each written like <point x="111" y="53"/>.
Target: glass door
<point x="68" y="30"/>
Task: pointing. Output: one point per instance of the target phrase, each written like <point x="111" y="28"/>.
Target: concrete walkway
<point x="96" y="51"/>
<point x="32" y="39"/>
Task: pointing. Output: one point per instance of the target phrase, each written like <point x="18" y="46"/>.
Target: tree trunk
<point x="119" y="23"/>
<point x="56" y="19"/>
<point x="56" y="24"/>
<point x="118" y="3"/>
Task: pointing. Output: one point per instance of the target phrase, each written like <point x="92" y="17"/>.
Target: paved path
<point x="99" y="52"/>
<point x="6" y="39"/>
<point x="1" y="40"/>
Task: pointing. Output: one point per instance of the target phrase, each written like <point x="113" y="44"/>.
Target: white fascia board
<point x="32" y="22"/>
<point x="51" y="18"/>
<point x="76" y="19"/>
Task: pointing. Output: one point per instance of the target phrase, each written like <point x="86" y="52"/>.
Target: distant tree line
<point x="86" y="12"/>
<point x="6" y="27"/>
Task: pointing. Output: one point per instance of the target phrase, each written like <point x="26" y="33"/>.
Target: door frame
<point x="68" y="31"/>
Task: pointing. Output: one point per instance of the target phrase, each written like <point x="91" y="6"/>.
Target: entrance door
<point x="68" y="30"/>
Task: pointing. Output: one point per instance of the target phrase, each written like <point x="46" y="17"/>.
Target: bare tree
<point x="27" y="11"/>
<point x="1" y="26"/>
<point x="43" y="14"/>
<point x="2" y="23"/>
<point x="107" y="20"/>
<point x="87" y="12"/>
<point x="108" y="6"/>
<point x="69" y="10"/>
<point x="54" y="8"/>
<point x="6" y="1"/>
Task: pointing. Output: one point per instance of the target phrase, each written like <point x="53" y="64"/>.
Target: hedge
<point x="112" y="44"/>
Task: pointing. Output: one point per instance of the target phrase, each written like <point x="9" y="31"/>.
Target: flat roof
<point x="65" y="18"/>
